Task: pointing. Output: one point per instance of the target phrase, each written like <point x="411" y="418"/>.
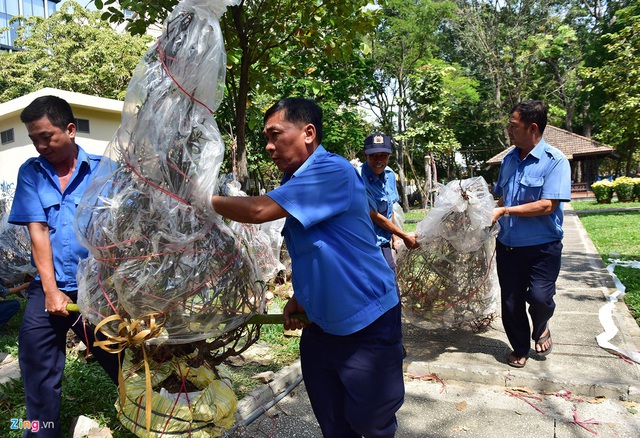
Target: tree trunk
<point x="238" y="93"/>
<point x="428" y="183"/>
<point x="586" y="126"/>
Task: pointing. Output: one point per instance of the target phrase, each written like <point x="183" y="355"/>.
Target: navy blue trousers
<point x="355" y="382"/>
<point x="8" y="308"/>
<point x="527" y="275"/>
<point x="42" y="353"/>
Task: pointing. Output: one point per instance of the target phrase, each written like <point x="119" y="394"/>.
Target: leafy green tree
<point x="71" y="50"/>
<point x="258" y="35"/>
<point x="437" y="92"/>
<point x="498" y="44"/>
<point x="619" y="77"/>
<point x="406" y="39"/>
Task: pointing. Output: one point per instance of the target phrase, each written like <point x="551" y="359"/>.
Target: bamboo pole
<point x="268" y="318"/>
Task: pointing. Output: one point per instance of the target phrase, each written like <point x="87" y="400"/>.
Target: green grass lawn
<point x="412" y="217"/>
<point x="615" y="235"/>
<point x="593" y="205"/>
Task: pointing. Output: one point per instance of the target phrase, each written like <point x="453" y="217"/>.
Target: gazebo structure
<point x="583" y="153"/>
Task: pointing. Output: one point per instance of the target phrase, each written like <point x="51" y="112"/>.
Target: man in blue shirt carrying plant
<point x="47" y="194"/>
<point x="382" y="194"/>
<point x="534" y="181"/>
<point x="351" y="354"/>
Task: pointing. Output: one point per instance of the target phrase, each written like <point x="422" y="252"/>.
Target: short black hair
<point x="298" y="110"/>
<point x="56" y="109"/>
<point x="532" y="111"/>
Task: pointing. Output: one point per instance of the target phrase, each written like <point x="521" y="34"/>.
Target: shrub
<point x="623" y="186"/>
<point x="603" y="190"/>
<point x="636" y="188"/>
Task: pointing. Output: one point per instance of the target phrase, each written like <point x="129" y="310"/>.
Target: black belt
<point x="506" y="248"/>
<point x="511" y="248"/>
<point x="386" y="245"/>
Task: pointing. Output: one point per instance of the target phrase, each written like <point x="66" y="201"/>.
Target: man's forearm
<point x="248" y="209"/>
<point x="386" y="224"/>
<point x="536" y="208"/>
<point x="42" y="254"/>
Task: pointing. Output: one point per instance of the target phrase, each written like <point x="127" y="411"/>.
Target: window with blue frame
<point x="11" y="8"/>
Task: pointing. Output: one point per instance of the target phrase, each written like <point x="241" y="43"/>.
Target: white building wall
<point x="103" y="115"/>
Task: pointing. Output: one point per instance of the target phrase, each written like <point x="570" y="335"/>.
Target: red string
<point x="162" y="56"/>
<point x="524" y="399"/>
<point x="583" y="422"/>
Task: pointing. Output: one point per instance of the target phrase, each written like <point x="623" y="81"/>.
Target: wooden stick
<point x="269" y="318"/>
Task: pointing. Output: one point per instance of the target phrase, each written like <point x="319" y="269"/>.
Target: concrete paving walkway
<point x="459" y="385"/>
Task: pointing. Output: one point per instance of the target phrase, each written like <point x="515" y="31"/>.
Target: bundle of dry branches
<point x="451" y="280"/>
<point x="160" y="254"/>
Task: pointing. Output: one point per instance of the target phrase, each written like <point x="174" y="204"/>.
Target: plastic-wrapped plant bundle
<point x="15" y="253"/>
<point x="160" y="256"/>
<point x="451" y="280"/>
<point x="265" y="240"/>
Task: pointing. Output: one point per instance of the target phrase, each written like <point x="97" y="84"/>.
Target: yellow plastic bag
<point x="202" y="414"/>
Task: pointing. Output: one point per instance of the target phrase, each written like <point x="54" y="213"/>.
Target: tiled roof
<point x="574" y="146"/>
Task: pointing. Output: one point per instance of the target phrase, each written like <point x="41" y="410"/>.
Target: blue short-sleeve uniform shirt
<point x="382" y="194"/>
<point x="339" y="274"/>
<point x="38" y="199"/>
<point x="544" y="173"/>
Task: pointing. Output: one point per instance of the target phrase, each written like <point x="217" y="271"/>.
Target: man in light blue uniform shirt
<point x="47" y="194"/>
<point x="351" y="354"/>
<point x="382" y="194"/>
<point x="534" y="181"/>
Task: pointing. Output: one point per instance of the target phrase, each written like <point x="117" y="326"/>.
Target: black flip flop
<point x="516" y="364"/>
<point x="541" y="342"/>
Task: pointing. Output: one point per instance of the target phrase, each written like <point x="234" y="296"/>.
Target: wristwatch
<point x="506" y="211"/>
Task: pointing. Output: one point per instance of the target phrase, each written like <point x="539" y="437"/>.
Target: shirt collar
<point x="536" y="152"/>
<point x="319" y="152"/>
<point x="82" y="158"/>
<point x="368" y="173"/>
<point x="538" y="149"/>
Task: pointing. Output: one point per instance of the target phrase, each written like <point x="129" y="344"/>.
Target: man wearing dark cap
<point x="380" y="182"/>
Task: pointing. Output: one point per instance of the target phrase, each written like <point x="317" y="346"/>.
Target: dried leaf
<point x="596" y="400"/>
<point x="521" y="390"/>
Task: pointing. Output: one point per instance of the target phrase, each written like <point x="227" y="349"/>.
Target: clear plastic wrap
<point x="398" y="216"/>
<point x="158" y="248"/>
<point x="461" y="214"/>
<point x="451" y="280"/>
<point x="265" y="240"/>
<point x="15" y="253"/>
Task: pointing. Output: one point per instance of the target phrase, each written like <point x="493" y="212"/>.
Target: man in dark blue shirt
<point x="351" y="355"/>
<point x="47" y="194"/>
<point x="534" y="181"/>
